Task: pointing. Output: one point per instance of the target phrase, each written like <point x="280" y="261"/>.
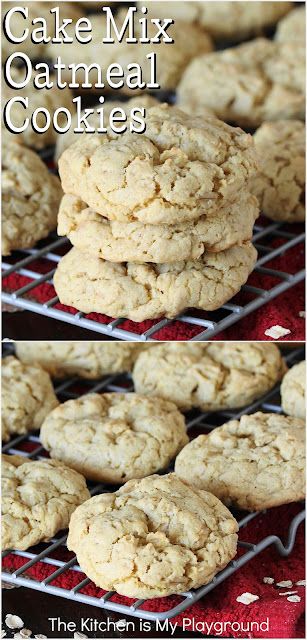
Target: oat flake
<point x="276" y="332"/>
<point x="268" y="580"/>
<point x="287" y="593"/>
<point x="247" y="598"/>
<point x="294" y="598"/>
<point x="78" y="635"/>
<point x="13" y="622"/>
<point x="301" y="583"/>
<point x="284" y="583"/>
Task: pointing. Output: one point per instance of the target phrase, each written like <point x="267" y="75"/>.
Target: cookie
<point x="223" y="20"/>
<point x="181" y="168"/>
<point x="18" y="23"/>
<point x="292" y="28"/>
<point x="248" y="84"/>
<point x="136" y="242"/>
<point x="293" y="390"/>
<point x="253" y="463"/>
<point x="212" y="376"/>
<point x="38" y="498"/>
<point x="152" y="538"/>
<point x="280" y="183"/>
<point x="171" y="58"/>
<point x="90" y="360"/>
<point x="66" y="139"/>
<point x="114" y="437"/>
<point x="145" y="291"/>
<point x="38" y="98"/>
<point x="27" y="397"/>
<point x="30" y="198"/>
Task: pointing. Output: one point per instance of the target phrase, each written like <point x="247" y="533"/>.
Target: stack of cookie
<point x="160" y="221"/>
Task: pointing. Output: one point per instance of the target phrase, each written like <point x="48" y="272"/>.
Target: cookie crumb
<point x="13" y="622"/>
<point x="284" y="583"/>
<point x="40" y="636"/>
<point x="302" y="314"/>
<point x="247" y="598"/>
<point x="294" y="598"/>
<point x="78" y="635"/>
<point x="25" y="633"/>
<point x="287" y="593"/>
<point x="276" y="332"/>
<point x="9" y="585"/>
<point x="268" y="580"/>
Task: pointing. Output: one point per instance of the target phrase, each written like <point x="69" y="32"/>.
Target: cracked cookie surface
<point x="224" y="20"/>
<point x="114" y="437"/>
<point x="146" y="291"/>
<point x="30" y="198"/>
<point x="38" y="498"/>
<point x="181" y="168"/>
<point x="293" y="391"/>
<point x="27" y="397"/>
<point x="210" y="376"/>
<point x="90" y="360"/>
<point x="153" y="537"/>
<point x="253" y="463"/>
<point x="135" y="242"/>
<point x="248" y="84"/>
<point x="280" y="183"/>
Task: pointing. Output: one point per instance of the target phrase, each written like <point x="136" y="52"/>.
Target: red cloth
<point x="283" y="310"/>
<point x="220" y="605"/>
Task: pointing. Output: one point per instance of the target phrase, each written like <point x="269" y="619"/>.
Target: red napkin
<point x="283" y="310"/>
<point x="285" y="618"/>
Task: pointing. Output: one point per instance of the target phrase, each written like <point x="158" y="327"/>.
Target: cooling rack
<point x="30" y="447"/>
<point x="34" y="269"/>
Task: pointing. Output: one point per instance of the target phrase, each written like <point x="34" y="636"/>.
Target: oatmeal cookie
<point x="293" y="390"/>
<point x="223" y="20"/>
<point x="145" y="291"/>
<point x="280" y="183"/>
<point x="30" y="198"/>
<point x="50" y="99"/>
<point x="212" y="376"/>
<point x="172" y="58"/>
<point x="292" y="28"/>
<point x="135" y="242"/>
<point x="38" y="498"/>
<point x="90" y="360"/>
<point x="181" y="168"/>
<point x="19" y="23"/>
<point x="27" y="397"/>
<point x="253" y="463"/>
<point x="154" y="537"/>
<point x="248" y="84"/>
<point x="114" y="437"/>
<point x="66" y="139"/>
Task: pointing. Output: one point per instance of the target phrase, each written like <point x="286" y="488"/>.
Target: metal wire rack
<point x="37" y="267"/>
<point x="202" y="422"/>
